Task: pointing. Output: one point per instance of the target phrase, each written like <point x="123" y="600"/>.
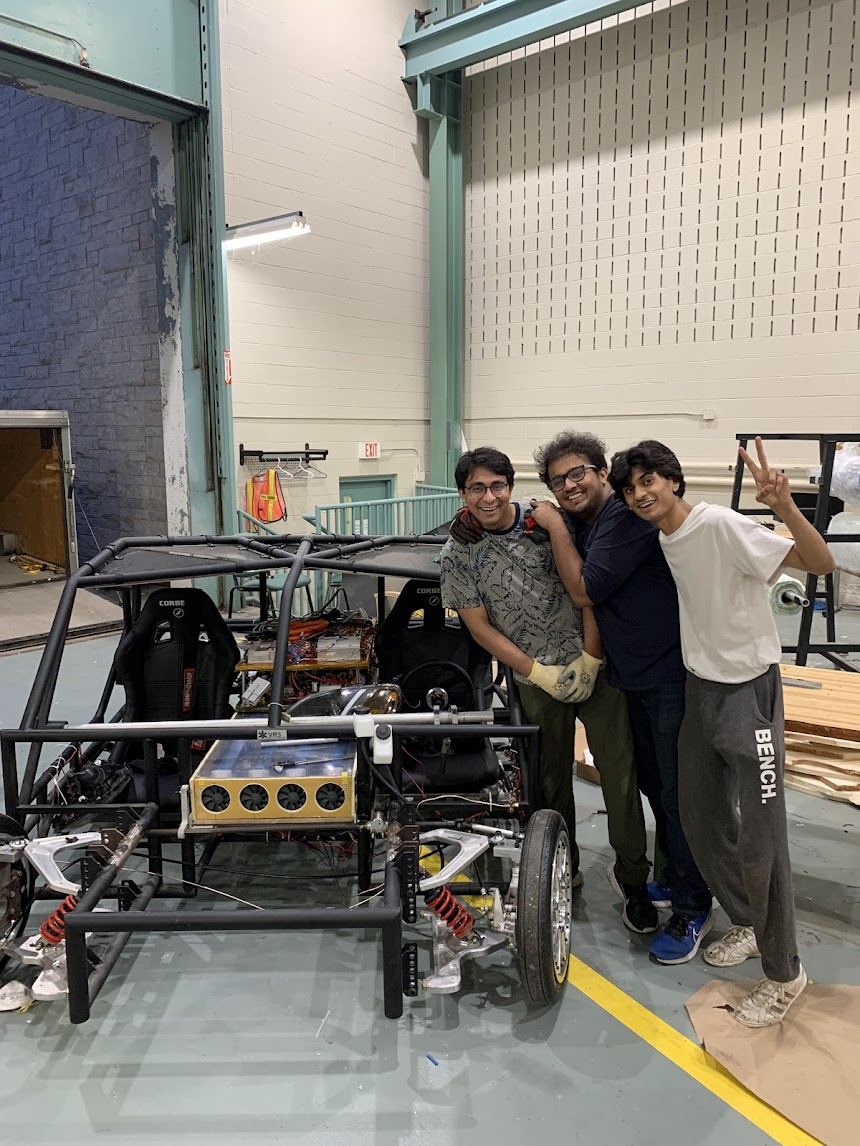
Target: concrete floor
<point x="256" y="1038"/>
<point x="27" y="610"/>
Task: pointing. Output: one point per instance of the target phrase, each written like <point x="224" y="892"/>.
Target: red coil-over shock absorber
<point x="53" y="930"/>
<point x="456" y="917"/>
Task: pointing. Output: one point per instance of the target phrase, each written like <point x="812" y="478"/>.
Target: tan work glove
<point x="547" y="678"/>
<point x="578" y="679"/>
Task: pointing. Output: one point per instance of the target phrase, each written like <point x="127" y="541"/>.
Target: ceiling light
<point x="274" y="230"/>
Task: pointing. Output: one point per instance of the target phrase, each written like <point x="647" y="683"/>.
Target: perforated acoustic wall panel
<point x="663" y="228"/>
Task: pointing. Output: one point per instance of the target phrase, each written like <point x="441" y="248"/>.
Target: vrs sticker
<point x="272" y="734"/>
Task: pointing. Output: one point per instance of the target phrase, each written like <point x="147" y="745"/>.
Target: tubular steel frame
<point x="27" y="799"/>
<point x="831" y="649"/>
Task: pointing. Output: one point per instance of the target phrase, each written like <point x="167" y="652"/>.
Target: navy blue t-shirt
<point x="634" y="595"/>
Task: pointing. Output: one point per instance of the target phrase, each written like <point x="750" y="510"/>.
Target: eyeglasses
<point x="495" y="488"/>
<point x="557" y="484"/>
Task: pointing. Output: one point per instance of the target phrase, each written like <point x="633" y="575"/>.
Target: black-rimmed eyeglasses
<point x="479" y="489"/>
<point x="557" y="484"/>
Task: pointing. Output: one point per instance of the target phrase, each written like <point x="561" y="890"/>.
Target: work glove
<point x="547" y="677"/>
<point x="466" y="528"/>
<point x="578" y="679"/>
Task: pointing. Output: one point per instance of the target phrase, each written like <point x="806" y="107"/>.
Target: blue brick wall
<point x="78" y="302"/>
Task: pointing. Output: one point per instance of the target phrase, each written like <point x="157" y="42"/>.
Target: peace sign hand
<point x="772" y="488"/>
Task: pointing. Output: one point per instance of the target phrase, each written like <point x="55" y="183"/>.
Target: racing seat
<point x="420" y="648"/>
<point x="177" y="662"/>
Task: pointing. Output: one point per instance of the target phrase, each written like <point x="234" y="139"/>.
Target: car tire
<point x="544" y="908"/>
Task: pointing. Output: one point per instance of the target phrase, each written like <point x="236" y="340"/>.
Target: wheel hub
<point x="560" y="910"/>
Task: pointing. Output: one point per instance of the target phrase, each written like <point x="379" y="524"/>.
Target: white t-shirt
<point x="722" y="563"/>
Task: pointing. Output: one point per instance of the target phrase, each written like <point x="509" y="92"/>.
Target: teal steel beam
<point x="494" y="27"/>
<point x="56" y="78"/>
<point x="222" y="392"/>
<point x="440" y="102"/>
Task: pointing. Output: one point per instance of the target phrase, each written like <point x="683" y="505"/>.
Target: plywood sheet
<point x="832" y="709"/>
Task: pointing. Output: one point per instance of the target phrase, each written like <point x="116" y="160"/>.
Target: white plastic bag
<point x="846" y="554"/>
<point x="846" y="477"/>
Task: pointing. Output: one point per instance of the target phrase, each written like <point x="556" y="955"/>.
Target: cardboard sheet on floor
<point x="805" y="1067"/>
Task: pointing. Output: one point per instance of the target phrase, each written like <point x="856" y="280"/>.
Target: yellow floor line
<point x="685" y="1054"/>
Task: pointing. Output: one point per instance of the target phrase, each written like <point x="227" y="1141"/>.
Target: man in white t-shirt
<point x="731" y="747"/>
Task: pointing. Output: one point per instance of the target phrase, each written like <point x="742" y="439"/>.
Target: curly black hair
<point x="569" y="442"/>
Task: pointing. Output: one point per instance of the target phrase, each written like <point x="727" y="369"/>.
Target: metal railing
<point x="425" y="489"/>
<point x="393" y="515"/>
<point x="250" y="524"/>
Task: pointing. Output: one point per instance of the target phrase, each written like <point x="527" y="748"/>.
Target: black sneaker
<point x="639" y="913"/>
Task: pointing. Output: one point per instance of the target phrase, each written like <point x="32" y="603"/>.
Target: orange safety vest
<point x="264" y="497"/>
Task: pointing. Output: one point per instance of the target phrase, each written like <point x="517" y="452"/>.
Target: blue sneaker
<point x="679" y="940"/>
<point x="659" y="893"/>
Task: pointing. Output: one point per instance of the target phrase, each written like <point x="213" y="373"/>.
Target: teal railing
<point x="425" y="489"/>
<point x="250" y="524"/>
<point x="398" y="515"/>
<point x="249" y="582"/>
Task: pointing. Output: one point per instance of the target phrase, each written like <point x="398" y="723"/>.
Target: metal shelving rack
<point x="832" y="649"/>
<point x="307" y="455"/>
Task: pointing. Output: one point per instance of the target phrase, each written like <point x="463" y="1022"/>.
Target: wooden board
<point x="816" y="788"/>
<point x="821" y="746"/>
<point x="812" y="764"/>
<point x="833" y="710"/>
<point x="838" y="781"/>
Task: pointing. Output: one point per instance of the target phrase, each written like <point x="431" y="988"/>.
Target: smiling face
<point x="585" y="492"/>
<point x="653" y="498"/>
<point x="488" y="496"/>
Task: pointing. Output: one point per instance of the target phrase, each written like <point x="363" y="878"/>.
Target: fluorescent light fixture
<point x="273" y="230"/>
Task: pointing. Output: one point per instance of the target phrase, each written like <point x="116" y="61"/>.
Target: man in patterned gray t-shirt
<point x="516" y="581"/>
<point x="505" y="587"/>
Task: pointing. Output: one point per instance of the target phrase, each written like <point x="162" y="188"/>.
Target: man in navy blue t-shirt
<point x="611" y="559"/>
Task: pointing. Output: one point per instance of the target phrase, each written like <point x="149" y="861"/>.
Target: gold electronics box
<point x="277" y="784"/>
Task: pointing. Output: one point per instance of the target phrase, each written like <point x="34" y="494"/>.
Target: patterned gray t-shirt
<point x="516" y="581"/>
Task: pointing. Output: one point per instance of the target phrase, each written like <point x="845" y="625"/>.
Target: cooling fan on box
<point x="276" y="784"/>
<point x="215" y="799"/>
<point x="292" y="797"/>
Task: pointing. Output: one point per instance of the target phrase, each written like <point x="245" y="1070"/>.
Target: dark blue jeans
<point x="655" y="719"/>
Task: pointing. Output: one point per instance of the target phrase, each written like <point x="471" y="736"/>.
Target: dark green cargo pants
<point x="607" y="726"/>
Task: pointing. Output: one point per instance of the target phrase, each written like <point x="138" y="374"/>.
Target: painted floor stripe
<point x="685" y="1054"/>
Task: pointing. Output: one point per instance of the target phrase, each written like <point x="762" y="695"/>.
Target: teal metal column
<point x="223" y="394"/>
<point x="437" y="44"/>
<point x="440" y="101"/>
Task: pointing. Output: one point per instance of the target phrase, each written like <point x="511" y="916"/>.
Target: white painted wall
<point x="328" y="332"/>
<point x="663" y="232"/>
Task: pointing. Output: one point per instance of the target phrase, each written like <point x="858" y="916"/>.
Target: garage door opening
<point x="37" y="541"/>
<point x="37" y="529"/>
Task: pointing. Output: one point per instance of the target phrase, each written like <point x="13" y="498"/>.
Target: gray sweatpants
<point x="731" y="757"/>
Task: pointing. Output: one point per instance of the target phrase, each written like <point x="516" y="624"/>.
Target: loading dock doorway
<point x="37" y="528"/>
<point x="37" y="511"/>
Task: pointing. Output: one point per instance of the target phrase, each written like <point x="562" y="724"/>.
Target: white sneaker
<point x="737" y="945"/>
<point x="768" y="1001"/>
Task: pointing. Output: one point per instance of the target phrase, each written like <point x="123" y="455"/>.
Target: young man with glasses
<point x="504" y="584"/>
<point x="732" y="744"/>
<point x="610" y="561"/>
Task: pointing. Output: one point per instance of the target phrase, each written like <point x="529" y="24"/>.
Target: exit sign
<point x="368" y="450"/>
